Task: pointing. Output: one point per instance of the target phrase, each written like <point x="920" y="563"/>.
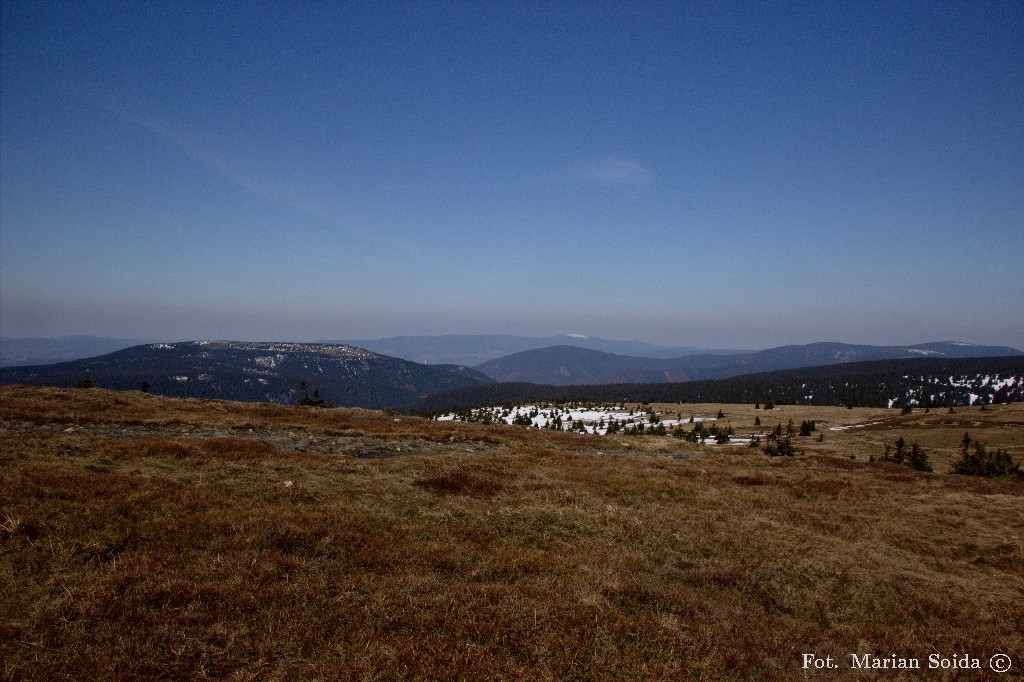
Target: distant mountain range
<point x="454" y="349"/>
<point x="266" y="372"/>
<point x="346" y="375"/>
<point x="470" y="350"/>
<point x="567" y="365"/>
<point x="42" y="351"/>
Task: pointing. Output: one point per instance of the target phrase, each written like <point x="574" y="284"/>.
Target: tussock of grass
<point x="164" y="554"/>
<point x="463" y="481"/>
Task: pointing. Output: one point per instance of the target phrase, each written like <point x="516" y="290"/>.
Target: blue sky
<point x="729" y="174"/>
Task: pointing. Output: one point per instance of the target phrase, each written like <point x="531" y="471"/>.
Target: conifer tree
<point x="900" y="453"/>
<point x="919" y="459"/>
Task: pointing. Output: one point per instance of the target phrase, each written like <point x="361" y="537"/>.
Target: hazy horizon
<point x="175" y="339"/>
<point x="718" y="175"/>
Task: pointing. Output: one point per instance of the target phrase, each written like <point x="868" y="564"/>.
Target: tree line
<point x="886" y="383"/>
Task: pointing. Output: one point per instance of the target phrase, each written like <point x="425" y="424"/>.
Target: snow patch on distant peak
<point x="578" y="336"/>
<point x="924" y="351"/>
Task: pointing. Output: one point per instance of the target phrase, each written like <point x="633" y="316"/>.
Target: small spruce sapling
<point x="919" y="459"/>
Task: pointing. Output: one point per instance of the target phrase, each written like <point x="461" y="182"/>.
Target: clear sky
<point x="730" y="174"/>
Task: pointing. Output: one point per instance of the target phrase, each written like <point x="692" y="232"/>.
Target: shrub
<point x="979" y="461"/>
<point x="777" y="445"/>
<point x="916" y="459"/>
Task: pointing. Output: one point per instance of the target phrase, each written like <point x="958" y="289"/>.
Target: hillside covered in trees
<point x="885" y="383"/>
<point x="255" y="372"/>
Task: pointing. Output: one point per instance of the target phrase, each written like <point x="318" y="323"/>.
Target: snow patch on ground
<point x="593" y="419"/>
<point x="851" y="426"/>
<point x="590" y="420"/>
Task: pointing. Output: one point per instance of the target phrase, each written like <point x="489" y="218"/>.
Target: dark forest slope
<point x="880" y="383"/>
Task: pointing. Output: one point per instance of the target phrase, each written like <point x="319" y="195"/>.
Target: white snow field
<point x="591" y="419"/>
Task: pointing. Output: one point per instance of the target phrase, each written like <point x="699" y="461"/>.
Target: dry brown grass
<point x="165" y="539"/>
<point x="936" y="430"/>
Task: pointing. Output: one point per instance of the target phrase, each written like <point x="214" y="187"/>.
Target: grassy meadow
<point x="150" y="538"/>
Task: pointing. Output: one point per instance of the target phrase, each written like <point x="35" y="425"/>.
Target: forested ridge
<point x="881" y="383"/>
